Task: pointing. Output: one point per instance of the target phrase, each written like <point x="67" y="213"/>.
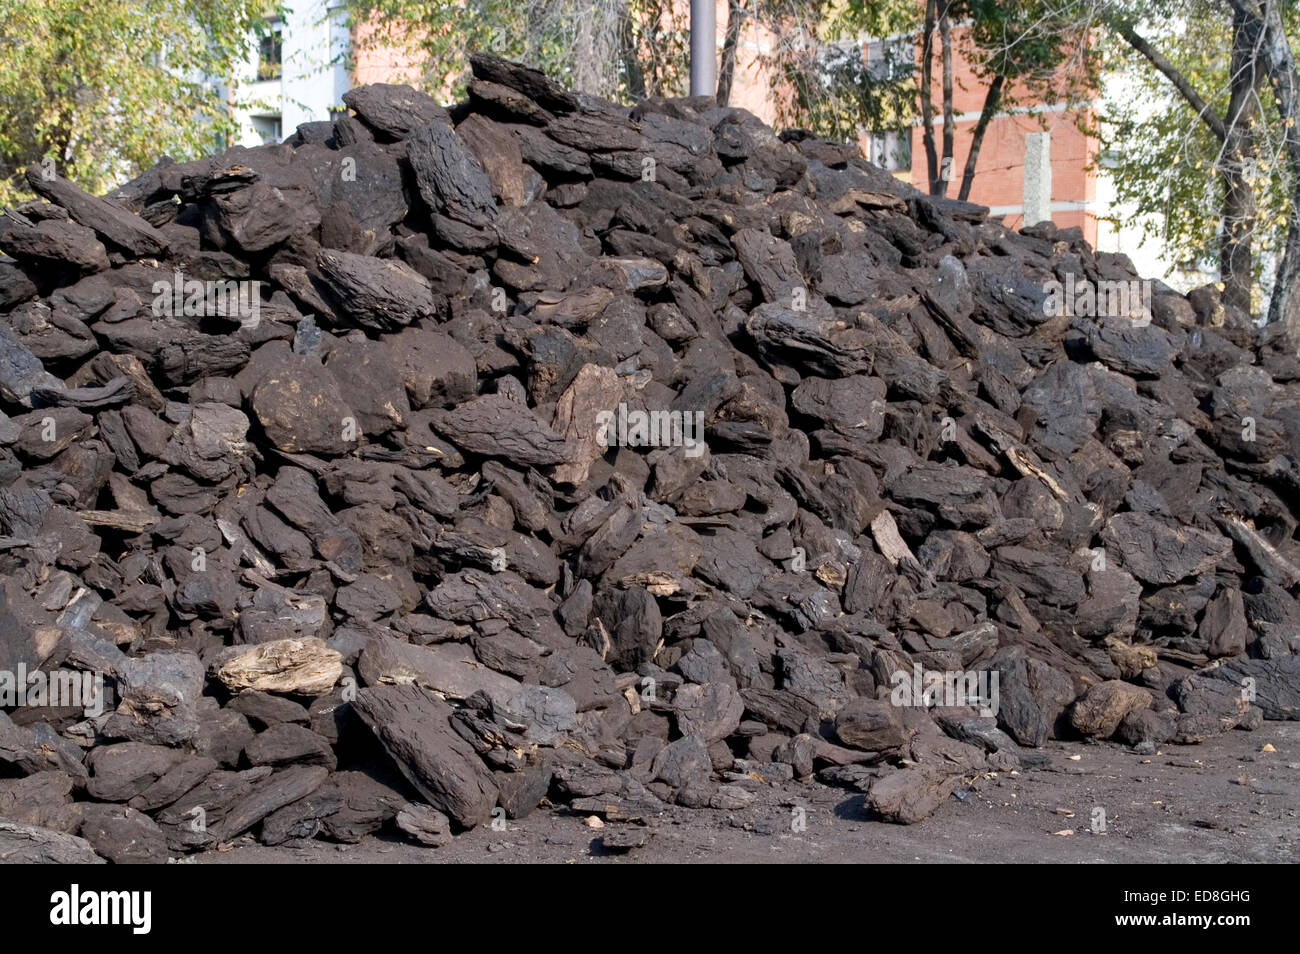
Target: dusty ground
<point x="1223" y="801"/>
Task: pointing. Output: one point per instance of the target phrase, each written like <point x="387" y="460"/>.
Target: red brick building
<point x="1000" y="169"/>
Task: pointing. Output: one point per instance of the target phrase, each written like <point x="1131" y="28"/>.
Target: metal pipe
<point x="704" y="48"/>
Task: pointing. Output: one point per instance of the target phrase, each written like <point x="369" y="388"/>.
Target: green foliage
<point x="1040" y="50"/>
<point x="819" y="77"/>
<point x="103" y="89"/>
<point x="1164" y="160"/>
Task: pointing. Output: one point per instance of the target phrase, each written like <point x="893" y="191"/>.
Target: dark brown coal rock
<point x="416" y="729"/>
<point x="110" y="220"/>
<point x="394" y="111"/>
<point x="123" y="835"/>
<point x="35" y="845"/>
<point x="450" y="177"/>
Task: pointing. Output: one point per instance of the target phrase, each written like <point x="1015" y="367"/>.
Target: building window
<point x="268" y="128"/>
<point x="891" y="150"/>
<point x="889" y="61"/>
<point x="268" y="55"/>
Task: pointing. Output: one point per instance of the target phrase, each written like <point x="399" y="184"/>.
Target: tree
<point x="1025" y="52"/>
<point x="1267" y="34"/>
<point x="736" y="14"/>
<point x="936" y="11"/>
<point x="101" y="90"/>
<point x="1198" y="146"/>
<point x="820" y="78"/>
<point x="1225" y="142"/>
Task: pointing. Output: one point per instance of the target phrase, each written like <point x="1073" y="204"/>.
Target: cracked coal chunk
<point x="414" y="727"/>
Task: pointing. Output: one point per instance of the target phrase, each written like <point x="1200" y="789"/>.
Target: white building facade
<point x="298" y="73"/>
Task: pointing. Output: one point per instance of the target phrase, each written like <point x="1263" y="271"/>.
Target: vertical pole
<point x="704" y="48"/>
<point x="1038" y="178"/>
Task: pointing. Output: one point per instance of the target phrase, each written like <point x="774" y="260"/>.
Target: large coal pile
<point x="442" y="463"/>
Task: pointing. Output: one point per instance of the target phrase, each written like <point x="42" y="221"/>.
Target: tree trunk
<point x="1236" y="256"/>
<point x="585" y="65"/>
<point x="1284" y="306"/>
<point x="1236" y="145"/>
<point x="992" y="98"/>
<point x="1239" y="206"/>
<point x="1263" y="24"/>
<point x="631" y="61"/>
<point x="945" y="35"/>
<point x="727" y="69"/>
<point x="655" y="84"/>
<point x="927" y="106"/>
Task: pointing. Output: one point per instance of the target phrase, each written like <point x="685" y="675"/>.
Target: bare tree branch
<point x="1176" y="79"/>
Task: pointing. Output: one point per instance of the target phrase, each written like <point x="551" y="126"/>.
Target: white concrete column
<point x="1037" y="199"/>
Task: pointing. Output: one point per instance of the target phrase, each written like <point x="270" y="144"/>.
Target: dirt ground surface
<point x="1226" y="800"/>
